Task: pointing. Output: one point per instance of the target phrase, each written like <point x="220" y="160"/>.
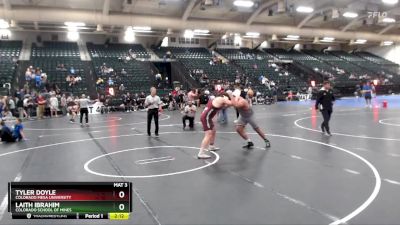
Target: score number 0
<point x="121" y="194"/>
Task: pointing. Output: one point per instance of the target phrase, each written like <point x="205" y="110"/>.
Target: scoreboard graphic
<point x="70" y="200"/>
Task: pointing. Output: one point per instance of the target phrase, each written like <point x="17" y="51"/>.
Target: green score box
<point x="70" y="207"/>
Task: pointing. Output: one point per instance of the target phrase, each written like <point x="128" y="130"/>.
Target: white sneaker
<point x="202" y="155"/>
<point x="213" y="148"/>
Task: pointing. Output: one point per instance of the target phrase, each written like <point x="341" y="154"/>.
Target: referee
<point x="84" y="105"/>
<point x="153" y="105"/>
<point x="324" y="103"/>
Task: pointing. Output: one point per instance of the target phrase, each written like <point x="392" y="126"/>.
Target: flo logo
<point x="377" y="14"/>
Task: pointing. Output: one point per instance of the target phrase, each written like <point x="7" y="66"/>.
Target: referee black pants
<point x="191" y="121"/>
<point x="326" y="114"/>
<point x="150" y="114"/>
<point x="84" y="111"/>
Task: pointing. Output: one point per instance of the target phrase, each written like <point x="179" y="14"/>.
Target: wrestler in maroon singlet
<point x="207" y="116"/>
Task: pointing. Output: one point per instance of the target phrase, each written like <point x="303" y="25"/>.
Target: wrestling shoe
<point x="249" y="145"/>
<point x="213" y="148"/>
<point x="267" y="143"/>
<point x="202" y="155"/>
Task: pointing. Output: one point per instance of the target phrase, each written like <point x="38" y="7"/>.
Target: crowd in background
<point x="383" y="77"/>
<point x="39" y="98"/>
<point x="37" y="79"/>
<point x="109" y="78"/>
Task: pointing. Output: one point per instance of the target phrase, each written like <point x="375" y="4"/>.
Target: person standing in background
<point x="72" y="108"/>
<point x="324" y="103"/>
<point x="128" y="102"/>
<point x="63" y="104"/>
<point x="274" y="94"/>
<point x="309" y="93"/>
<point x="2" y="105"/>
<point x="192" y="95"/>
<point x="28" y="106"/>
<point x="135" y="102"/>
<point x="153" y="105"/>
<point x="20" y="108"/>
<point x="53" y="106"/>
<point x="28" y="75"/>
<point x="11" y="106"/>
<point x="38" y="79"/>
<point x="84" y="105"/>
<point x="367" y="91"/>
<point x="41" y="102"/>
<point x="222" y="114"/>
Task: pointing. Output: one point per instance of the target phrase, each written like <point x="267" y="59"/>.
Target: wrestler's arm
<point x="227" y="103"/>
<point x="233" y="102"/>
<point x="242" y="104"/>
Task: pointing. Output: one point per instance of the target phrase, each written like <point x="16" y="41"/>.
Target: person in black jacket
<point x="324" y="103"/>
<point x="6" y="133"/>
